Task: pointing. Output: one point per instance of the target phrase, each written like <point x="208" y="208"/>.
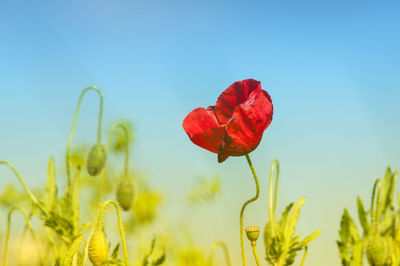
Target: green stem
<point x="121" y="230"/>
<point x="51" y="241"/>
<point x="71" y="135"/>
<point x="225" y="250"/>
<point x="272" y="202"/>
<point x="28" y="223"/>
<point x="27" y="190"/>
<point x="245" y="205"/>
<point x="377" y="212"/>
<point x="304" y="256"/>
<point x="373" y="216"/>
<point x="255" y="253"/>
<point x="275" y="163"/>
<point x="126" y="132"/>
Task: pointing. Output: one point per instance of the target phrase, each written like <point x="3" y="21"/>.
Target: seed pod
<point x="253" y="232"/>
<point x="379" y="251"/>
<point x="98" y="249"/>
<point x="96" y="159"/>
<point x="125" y="194"/>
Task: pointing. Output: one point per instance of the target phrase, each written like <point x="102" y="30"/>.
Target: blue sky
<point x="331" y="68"/>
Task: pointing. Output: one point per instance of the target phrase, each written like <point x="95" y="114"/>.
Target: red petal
<point x="203" y="129"/>
<point x="245" y="129"/>
<point x="235" y="94"/>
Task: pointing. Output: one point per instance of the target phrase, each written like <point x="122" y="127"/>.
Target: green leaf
<point x="397" y="233"/>
<point x="357" y="254"/>
<point x="348" y="235"/>
<point x="388" y="225"/>
<point x="387" y="191"/>
<point x="362" y="216"/>
<point x="285" y="214"/>
<point x="306" y="241"/>
<point x="292" y="219"/>
<point x="145" y="261"/>
<point x="160" y="260"/>
<point x="114" y="253"/>
<point x="51" y="187"/>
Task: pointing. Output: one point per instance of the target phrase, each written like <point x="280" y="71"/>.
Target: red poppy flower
<point x="235" y="125"/>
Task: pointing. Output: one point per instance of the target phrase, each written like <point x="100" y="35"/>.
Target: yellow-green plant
<point x="281" y="243"/>
<point x="147" y="260"/>
<point x="380" y="236"/>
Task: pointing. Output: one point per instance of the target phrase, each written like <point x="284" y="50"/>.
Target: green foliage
<point x="281" y="243"/>
<point x="379" y="240"/>
<point x="205" y="191"/>
<point x="155" y="261"/>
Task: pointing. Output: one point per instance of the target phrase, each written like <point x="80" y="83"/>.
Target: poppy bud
<point x="98" y="249"/>
<point x="253" y="232"/>
<point x="379" y="251"/>
<point x="96" y="159"/>
<point x="125" y="194"/>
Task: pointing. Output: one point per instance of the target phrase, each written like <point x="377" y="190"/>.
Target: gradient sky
<point x="331" y="67"/>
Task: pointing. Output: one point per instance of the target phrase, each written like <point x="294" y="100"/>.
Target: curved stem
<point x="225" y="250"/>
<point x="121" y="230"/>
<point x="304" y="256"/>
<point x="27" y="190"/>
<point x="28" y="223"/>
<point x="126" y="132"/>
<point x="255" y="253"/>
<point x="245" y="205"/>
<point x="71" y="135"/>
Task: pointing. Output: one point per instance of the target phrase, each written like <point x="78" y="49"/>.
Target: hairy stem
<point x="71" y="135"/>
<point x="225" y="250"/>
<point x="272" y="198"/>
<point x="245" y="205"/>
<point x="275" y="164"/>
<point x="373" y="215"/>
<point x="121" y="230"/>
<point x="377" y="212"/>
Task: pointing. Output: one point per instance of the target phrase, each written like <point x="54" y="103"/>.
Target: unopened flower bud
<point x="96" y="159"/>
<point x="379" y="251"/>
<point x="98" y="249"/>
<point x="125" y="194"/>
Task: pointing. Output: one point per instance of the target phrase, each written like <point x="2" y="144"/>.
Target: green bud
<point x="379" y="250"/>
<point x="98" y="249"/>
<point x="125" y="194"/>
<point x="96" y="159"/>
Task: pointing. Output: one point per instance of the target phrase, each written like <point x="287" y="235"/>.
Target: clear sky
<point x="331" y="67"/>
